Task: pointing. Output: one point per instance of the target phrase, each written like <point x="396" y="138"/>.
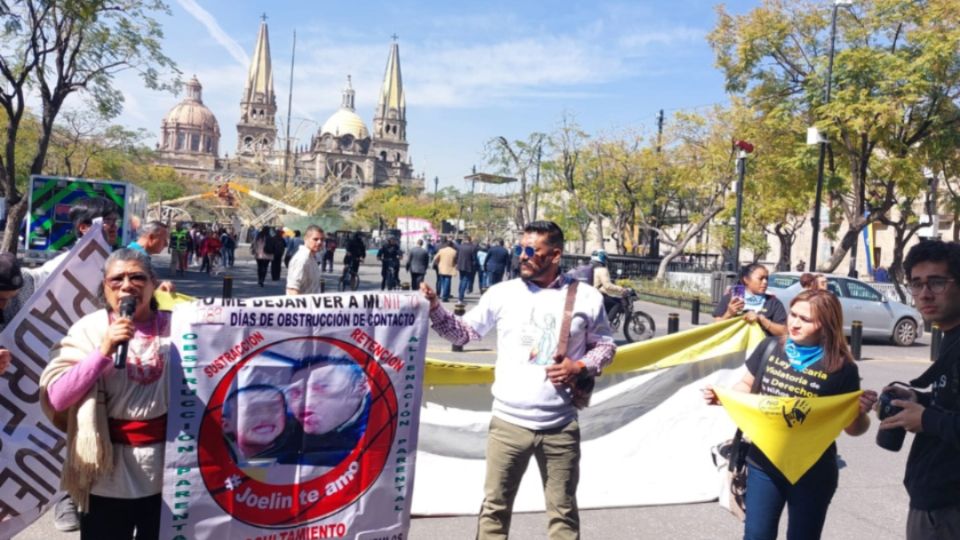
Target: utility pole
<point x="818" y="197"/>
<point x="286" y="153"/>
<point x="536" y="182"/>
<point x="745" y="148"/>
<point x="653" y="237"/>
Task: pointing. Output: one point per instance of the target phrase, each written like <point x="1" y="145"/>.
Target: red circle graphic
<point x="286" y="505"/>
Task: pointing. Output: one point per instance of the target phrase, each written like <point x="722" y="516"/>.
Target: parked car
<point x="881" y="317"/>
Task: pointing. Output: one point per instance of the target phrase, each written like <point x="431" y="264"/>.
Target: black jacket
<point x="498" y="259"/>
<point x="933" y="466"/>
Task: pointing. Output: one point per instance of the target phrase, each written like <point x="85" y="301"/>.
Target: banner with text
<point x="294" y="417"/>
<point x="32" y="450"/>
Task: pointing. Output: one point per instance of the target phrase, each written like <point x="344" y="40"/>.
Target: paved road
<point x="870" y="502"/>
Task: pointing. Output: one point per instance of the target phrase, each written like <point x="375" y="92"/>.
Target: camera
<point x="889" y="439"/>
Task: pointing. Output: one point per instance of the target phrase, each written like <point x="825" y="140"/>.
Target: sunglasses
<point x="527" y="250"/>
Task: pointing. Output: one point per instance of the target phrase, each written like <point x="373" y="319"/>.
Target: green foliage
<point x="392" y="202"/>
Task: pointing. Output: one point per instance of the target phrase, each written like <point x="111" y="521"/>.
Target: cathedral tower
<point x="257" y="131"/>
<point x="390" y="120"/>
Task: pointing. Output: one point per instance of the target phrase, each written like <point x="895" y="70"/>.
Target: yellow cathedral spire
<point x="390" y="118"/>
<point x="256" y="131"/>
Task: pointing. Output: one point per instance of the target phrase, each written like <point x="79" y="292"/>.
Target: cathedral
<point x="344" y="159"/>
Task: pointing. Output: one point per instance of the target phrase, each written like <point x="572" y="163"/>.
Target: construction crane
<point x="226" y="192"/>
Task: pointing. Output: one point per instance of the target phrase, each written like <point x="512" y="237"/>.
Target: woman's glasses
<point x="137" y="278"/>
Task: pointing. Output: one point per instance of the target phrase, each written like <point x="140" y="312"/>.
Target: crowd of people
<point x="114" y="419"/>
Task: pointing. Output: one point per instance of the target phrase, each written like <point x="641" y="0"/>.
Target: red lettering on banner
<point x="379" y="352"/>
<point x="233" y="354"/>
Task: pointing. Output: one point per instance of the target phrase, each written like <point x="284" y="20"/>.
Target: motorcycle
<point x="637" y="325"/>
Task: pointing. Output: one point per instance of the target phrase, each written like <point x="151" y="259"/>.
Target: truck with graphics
<point x="48" y="229"/>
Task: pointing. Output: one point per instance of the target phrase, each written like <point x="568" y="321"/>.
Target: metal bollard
<point x="673" y="323"/>
<point x="405" y="286"/>
<point x="856" y="339"/>
<point x="458" y="310"/>
<point x="936" y="337"/>
<point x="227" y="286"/>
<point x="695" y="312"/>
<point x="323" y="286"/>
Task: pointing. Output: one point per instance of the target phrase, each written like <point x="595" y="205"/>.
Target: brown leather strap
<point x="564" y="337"/>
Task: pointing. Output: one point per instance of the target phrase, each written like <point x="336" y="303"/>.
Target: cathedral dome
<point x="190" y="127"/>
<point x="191" y="112"/>
<point x="345" y="122"/>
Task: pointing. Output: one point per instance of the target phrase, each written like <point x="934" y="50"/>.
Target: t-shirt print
<point x="539" y="336"/>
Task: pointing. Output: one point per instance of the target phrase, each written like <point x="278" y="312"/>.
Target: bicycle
<point x="350" y="279"/>
<point x="637" y="325"/>
<point x="391" y="276"/>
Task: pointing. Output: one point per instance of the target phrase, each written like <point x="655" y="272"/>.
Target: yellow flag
<point x="167" y="301"/>
<point x="792" y="432"/>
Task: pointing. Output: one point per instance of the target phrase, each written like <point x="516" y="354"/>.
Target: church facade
<point x="343" y="159"/>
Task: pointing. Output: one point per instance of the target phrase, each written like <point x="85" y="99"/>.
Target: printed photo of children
<point x="310" y="408"/>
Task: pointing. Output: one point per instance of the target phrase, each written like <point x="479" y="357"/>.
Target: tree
<point x="56" y="48"/>
<point x="896" y="75"/>
<point x="389" y="203"/>
<point x="696" y="169"/>
<point x="519" y="159"/>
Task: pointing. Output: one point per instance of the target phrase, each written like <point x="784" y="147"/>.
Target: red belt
<point x="138" y="432"/>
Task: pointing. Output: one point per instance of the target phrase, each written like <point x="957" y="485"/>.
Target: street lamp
<point x="745" y="148"/>
<point x="818" y="198"/>
<point x="436" y="187"/>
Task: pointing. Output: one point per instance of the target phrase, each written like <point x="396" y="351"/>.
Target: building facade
<point x="344" y="158"/>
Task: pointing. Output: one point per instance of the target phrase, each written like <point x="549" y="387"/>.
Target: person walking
<point x="533" y="408"/>
<point x="446" y="263"/>
<point x="259" y="248"/>
<point x="812" y="360"/>
<point x="277" y="247"/>
<point x="498" y="260"/>
<point x="466" y="265"/>
<point x="292" y="245"/>
<point x="303" y="273"/>
<point x="418" y="260"/>
<point x="179" y="246"/>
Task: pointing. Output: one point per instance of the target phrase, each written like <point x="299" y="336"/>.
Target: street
<point x="870" y="502"/>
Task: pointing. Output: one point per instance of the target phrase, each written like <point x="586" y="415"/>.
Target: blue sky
<point x="472" y="71"/>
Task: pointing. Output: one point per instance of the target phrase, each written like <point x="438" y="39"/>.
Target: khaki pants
<point x="939" y="524"/>
<point x="509" y="448"/>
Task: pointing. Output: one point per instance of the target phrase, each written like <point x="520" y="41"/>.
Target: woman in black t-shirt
<point x="812" y="360"/>
<point x="750" y="299"/>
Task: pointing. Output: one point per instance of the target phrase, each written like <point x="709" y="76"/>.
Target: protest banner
<point x="32" y="450"/>
<point x="294" y="417"/>
<point x="793" y="432"/>
<point x="645" y="439"/>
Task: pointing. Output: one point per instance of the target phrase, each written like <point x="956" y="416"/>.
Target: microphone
<point x="128" y="305"/>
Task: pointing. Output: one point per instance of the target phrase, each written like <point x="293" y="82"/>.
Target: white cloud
<point x="215" y="31"/>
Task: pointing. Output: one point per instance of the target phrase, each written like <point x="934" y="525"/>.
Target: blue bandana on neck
<point x="802" y="356"/>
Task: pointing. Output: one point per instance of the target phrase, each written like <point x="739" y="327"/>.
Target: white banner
<point x="32" y="450"/>
<point x="645" y="440"/>
<point x="294" y="417"/>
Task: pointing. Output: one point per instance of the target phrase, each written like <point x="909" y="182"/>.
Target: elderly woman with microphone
<point x="106" y="387"/>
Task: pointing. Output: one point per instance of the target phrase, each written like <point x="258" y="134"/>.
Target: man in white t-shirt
<point x="533" y="412"/>
<point x="303" y="275"/>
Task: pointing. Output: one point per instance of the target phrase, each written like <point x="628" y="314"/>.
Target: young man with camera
<point x="932" y="477"/>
